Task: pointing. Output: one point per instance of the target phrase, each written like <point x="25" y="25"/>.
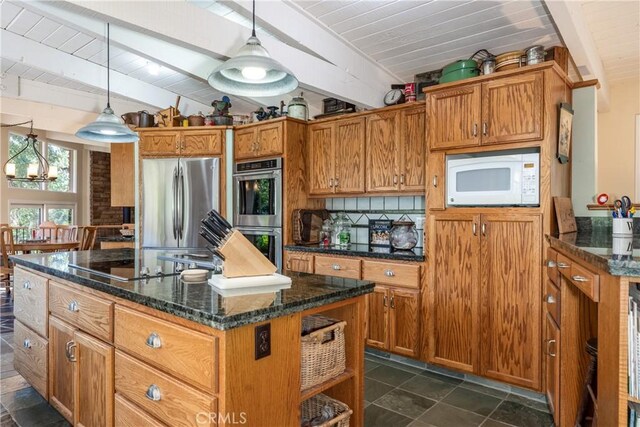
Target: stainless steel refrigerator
<point x="176" y="195"/>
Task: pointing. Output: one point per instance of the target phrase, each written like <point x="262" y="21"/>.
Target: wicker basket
<point x="312" y="408"/>
<point x="323" y="350"/>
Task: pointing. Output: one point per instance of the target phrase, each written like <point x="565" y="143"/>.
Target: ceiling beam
<point x="304" y="29"/>
<point x="57" y="62"/>
<point x="214" y="35"/>
<point x="572" y="26"/>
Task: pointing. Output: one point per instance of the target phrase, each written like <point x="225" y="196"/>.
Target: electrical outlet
<point x="263" y="340"/>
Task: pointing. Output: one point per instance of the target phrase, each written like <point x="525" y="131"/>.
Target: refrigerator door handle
<point x="181" y="202"/>
<point x="174" y="206"/>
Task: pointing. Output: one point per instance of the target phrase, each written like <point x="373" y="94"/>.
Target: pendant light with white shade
<point x="252" y="72"/>
<point x="108" y="127"/>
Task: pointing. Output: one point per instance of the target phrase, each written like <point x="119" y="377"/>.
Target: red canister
<point x="409" y="92"/>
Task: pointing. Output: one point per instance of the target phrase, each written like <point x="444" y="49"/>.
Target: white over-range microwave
<point x="509" y="178"/>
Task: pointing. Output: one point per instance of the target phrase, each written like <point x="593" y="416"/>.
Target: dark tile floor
<point x="401" y="395"/>
<point x="396" y="395"/>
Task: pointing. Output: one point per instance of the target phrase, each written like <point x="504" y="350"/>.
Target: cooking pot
<point x="461" y="69"/>
<point x="196" y="120"/>
<point x="131" y="119"/>
<point x="535" y="54"/>
<point x="146" y="119"/>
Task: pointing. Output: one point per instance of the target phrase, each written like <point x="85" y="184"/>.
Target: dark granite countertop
<point x="597" y="249"/>
<point x="198" y="302"/>
<point x="116" y="239"/>
<point x="361" y="250"/>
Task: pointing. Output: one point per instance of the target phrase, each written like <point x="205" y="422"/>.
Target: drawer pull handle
<point x="73" y="306"/>
<point x="550" y="299"/>
<point x="549" y="342"/>
<point x="577" y="278"/>
<point x="26" y="285"/>
<point x="154" y="341"/>
<point x="384" y="301"/>
<point x="393" y="302"/>
<point x="551" y="263"/>
<point x="153" y="393"/>
<point x="336" y="267"/>
<point x="563" y="265"/>
<point x="389" y="273"/>
<point x="26" y="343"/>
<point x="71" y="357"/>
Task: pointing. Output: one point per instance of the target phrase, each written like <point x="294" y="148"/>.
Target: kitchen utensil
<point x="626" y="206"/>
<point x="481" y="55"/>
<point x="147" y="120"/>
<point x="509" y="60"/>
<point x="196" y="119"/>
<point x="461" y="69"/>
<point x="132" y="119"/>
<point x="298" y="108"/>
<point x="535" y="54"/>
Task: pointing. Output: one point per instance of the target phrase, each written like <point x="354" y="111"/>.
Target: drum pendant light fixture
<point x="252" y="72"/>
<point x="108" y="127"/>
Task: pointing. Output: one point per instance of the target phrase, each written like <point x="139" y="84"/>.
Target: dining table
<point x="26" y="246"/>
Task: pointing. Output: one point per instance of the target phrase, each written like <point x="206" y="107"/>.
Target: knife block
<point x="242" y="259"/>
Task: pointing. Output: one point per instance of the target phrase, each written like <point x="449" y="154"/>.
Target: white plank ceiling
<point x="615" y="26"/>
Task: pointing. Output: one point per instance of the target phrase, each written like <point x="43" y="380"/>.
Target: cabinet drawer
<point x="405" y="275"/>
<point x="338" y="267"/>
<point x="160" y="395"/>
<point x="552" y="266"/>
<point x="30" y="300"/>
<point x="552" y="301"/>
<point x="86" y="312"/>
<point x="189" y="355"/>
<point x="30" y="358"/>
<point x="585" y="280"/>
<point x="298" y="261"/>
<point x="129" y="415"/>
<point x="564" y="266"/>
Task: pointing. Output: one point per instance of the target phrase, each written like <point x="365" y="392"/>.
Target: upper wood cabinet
<point x="182" y="142"/>
<point x="498" y="111"/>
<point x="396" y="151"/>
<point x="484" y="295"/>
<point x="262" y="140"/>
<point x="122" y="175"/>
<point x="336" y="157"/>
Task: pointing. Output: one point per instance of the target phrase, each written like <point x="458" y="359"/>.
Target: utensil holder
<point x="242" y="259"/>
<point x="622" y="245"/>
<point x="623" y="227"/>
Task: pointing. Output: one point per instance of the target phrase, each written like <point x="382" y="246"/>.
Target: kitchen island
<point x="161" y="351"/>
<point x="588" y="296"/>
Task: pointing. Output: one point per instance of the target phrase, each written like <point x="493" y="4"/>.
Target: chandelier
<point x="36" y="172"/>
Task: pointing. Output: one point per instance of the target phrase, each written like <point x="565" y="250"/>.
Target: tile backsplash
<point x="361" y="209"/>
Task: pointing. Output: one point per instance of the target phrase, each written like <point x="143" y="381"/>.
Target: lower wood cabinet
<point x="484" y="293"/>
<point x="552" y="363"/>
<point x="126" y="414"/>
<point x="81" y="375"/>
<point x="393" y="321"/>
<point x="299" y="261"/>
<point x="30" y="357"/>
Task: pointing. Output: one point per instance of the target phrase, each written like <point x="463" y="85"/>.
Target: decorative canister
<point x="488" y="65"/>
<point x="409" y="92"/>
<point x="341" y="230"/>
<point x="404" y="235"/>
<point x="535" y="54"/>
<point x="298" y="108"/>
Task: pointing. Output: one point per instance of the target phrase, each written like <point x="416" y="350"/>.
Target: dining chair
<point x="67" y="233"/>
<point x="6" y="249"/>
<point x="47" y="230"/>
<point x="88" y="238"/>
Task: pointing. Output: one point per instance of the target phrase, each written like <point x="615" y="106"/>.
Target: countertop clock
<point x="394" y="96"/>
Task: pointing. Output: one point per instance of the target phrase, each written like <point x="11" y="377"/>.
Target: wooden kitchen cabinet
<point x="263" y="140"/>
<point x="336" y="157"/>
<point x="412" y="149"/>
<point x="182" y="142"/>
<point x="393" y="320"/>
<point x="299" y="261"/>
<point x="123" y="175"/>
<point x="552" y="363"/>
<point x="435" y="199"/>
<point x="453" y="315"/>
<point x="484" y="295"/>
<point x="61" y="369"/>
<point x="498" y="111"/>
<point x="159" y="143"/>
<point x="201" y="142"/>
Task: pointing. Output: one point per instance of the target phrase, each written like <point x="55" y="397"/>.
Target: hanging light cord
<point x="108" y="70"/>
<point x="253" y="31"/>
<point x="10" y="125"/>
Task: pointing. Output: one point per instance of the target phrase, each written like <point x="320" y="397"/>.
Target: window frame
<point x="44" y="209"/>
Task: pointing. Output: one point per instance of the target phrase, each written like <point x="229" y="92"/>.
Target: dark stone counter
<point x="198" y="302"/>
<point x="597" y="249"/>
<point x="116" y="239"/>
<point x="360" y="250"/>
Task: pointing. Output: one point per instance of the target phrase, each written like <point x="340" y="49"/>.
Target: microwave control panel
<point x="530" y="187"/>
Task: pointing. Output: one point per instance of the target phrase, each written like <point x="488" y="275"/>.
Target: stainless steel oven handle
<point x="174" y="204"/>
<point x="257" y="175"/>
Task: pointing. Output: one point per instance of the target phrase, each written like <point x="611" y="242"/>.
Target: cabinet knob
<point x="551" y="263"/>
<point x="389" y="273"/>
<point x="395" y="179"/>
<point x="549" y="343"/>
<point x="402" y="178"/>
<point x="153" y="393"/>
<point x="435" y="181"/>
<point x="337" y="182"/>
<point x="384" y="301"/>
<point x="485" y="128"/>
<point x="484" y="228"/>
<point x="330" y="182"/>
<point x="549" y="299"/>
<point x="71" y="357"/>
<point x="73" y="306"/>
<point x="26" y="343"/>
<point x="153" y="340"/>
<point x="393" y="302"/>
<point x="563" y="265"/>
<point x="336" y="267"/>
<point x="474" y="229"/>
<point x="475" y="130"/>
<point x="26" y="285"/>
<point x="577" y="278"/>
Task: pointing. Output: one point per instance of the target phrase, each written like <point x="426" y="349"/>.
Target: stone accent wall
<point x="101" y="212"/>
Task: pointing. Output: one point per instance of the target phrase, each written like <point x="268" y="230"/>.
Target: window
<point x="61" y="157"/>
<point x="32" y="215"/>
